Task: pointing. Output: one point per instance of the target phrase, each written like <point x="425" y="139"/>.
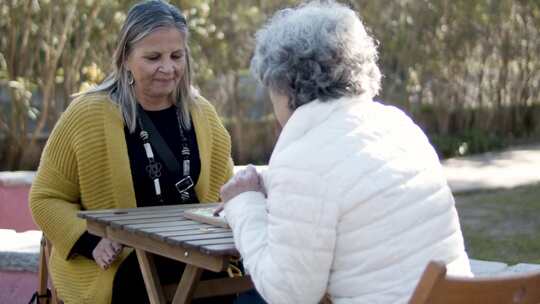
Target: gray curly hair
<point x="318" y="50"/>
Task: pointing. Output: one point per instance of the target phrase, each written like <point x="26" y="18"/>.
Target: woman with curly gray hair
<point x="354" y="203"/>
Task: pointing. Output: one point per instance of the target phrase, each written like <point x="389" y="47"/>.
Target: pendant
<point x="154" y="170"/>
<point x="185" y="165"/>
<point x="184" y="184"/>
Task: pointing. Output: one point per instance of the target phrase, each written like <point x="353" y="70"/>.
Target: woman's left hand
<point x="245" y="180"/>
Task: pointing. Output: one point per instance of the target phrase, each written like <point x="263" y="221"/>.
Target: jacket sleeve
<point x="54" y="195"/>
<point x="286" y="240"/>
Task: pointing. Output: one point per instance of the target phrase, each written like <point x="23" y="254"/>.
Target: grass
<point x="502" y="225"/>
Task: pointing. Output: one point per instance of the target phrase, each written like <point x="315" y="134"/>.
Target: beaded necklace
<point x="153" y="169"/>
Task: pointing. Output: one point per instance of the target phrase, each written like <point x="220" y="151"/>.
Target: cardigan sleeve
<point x="55" y="194"/>
<point x="85" y="245"/>
<point x="286" y="240"/>
<point x="221" y="163"/>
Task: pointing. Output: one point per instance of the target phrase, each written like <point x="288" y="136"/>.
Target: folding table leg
<point x="151" y="278"/>
<point x="188" y="284"/>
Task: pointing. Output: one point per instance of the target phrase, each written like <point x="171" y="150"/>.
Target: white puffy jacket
<point x="357" y="205"/>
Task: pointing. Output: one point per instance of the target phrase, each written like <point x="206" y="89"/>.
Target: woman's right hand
<point x="106" y="252"/>
<point x="244" y="180"/>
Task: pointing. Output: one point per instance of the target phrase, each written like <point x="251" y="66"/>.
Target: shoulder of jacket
<point x="90" y="102"/>
<point x="206" y="109"/>
<point x="203" y="103"/>
<point x="84" y="110"/>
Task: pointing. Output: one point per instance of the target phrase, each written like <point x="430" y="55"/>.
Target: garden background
<point x="466" y="71"/>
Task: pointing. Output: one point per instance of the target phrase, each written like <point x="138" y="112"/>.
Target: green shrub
<point x="470" y="142"/>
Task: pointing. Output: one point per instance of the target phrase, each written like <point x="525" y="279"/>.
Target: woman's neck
<point x="154" y="103"/>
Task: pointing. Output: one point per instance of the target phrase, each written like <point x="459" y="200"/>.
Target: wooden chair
<point x="435" y="287"/>
<point x="44" y="279"/>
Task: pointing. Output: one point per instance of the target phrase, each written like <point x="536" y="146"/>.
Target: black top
<point x="166" y="122"/>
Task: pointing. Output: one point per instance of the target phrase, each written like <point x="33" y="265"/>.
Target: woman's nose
<point x="167" y="67"/>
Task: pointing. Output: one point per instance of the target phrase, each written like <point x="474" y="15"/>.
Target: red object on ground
<point x="14" y="211"/>
<point x="17" y="287"/>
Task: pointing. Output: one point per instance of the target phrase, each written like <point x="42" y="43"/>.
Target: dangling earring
<point x="131" y="81"/>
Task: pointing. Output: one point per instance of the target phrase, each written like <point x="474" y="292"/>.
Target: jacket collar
<point x="309" y="116"/>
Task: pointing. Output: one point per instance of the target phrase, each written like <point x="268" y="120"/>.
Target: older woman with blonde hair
<point x="354" y="203"/>
<point x="143" y="137"/>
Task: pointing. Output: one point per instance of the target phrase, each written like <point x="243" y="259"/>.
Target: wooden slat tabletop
<point x="167" y="224"/>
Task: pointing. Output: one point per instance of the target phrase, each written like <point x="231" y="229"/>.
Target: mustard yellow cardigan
<point x="85" y="165"/>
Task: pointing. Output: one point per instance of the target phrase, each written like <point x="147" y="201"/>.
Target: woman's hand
<point x="245" y="180"/>
<point x="106" y="252"/>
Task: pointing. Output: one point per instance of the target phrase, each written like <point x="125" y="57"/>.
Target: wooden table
<point x="164" y="231"/>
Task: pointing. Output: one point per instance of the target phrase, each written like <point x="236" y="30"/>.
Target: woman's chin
<point x="162" y="92"/>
